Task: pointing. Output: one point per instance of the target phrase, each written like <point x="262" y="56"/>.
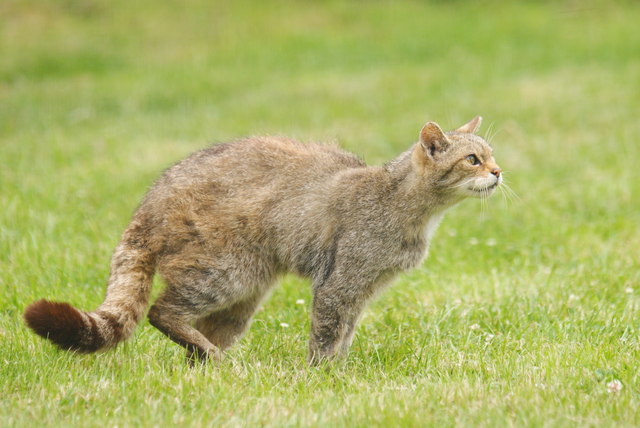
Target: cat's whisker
<point x="464" y="183"/>
<point x="505" y="196"/>
<point x="490" y="133"/>
<point x="484" y="194"/>
<point x="487" y="194"/>
<point x="511" y="195"/>
<point x="509" y="191"/>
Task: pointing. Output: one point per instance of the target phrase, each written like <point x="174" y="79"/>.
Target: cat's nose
<point x="496" y="172"/>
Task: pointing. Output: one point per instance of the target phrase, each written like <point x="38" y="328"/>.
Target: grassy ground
<point x="523" y="314"/>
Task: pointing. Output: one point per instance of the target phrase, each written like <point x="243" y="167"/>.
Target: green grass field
<point x="523" y="314"/>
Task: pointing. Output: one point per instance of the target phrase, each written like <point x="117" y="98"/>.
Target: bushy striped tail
<point x="132" y="269"/>
<point x="71" y="329"/>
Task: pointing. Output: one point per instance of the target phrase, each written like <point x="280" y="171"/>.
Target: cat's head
<point x="458" y="163"/>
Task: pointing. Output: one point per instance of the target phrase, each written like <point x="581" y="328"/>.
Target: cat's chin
<point x="483" y="192"/>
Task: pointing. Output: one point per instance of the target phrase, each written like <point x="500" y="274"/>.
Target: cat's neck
<point x="417" y="196"/>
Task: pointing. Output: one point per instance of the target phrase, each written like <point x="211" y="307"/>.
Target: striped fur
<point x="222" y="225"/>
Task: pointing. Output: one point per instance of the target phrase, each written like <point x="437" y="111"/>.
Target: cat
<point x="224" y="223"/>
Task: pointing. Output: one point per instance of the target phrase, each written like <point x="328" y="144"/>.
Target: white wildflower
<point x="300" y="302"/>
<point x="628" y="290"/>
<point x="573" y="297"/>
<point x="473" y="241"/>
<point x="614" y="386"/>
<point x="284" y="325"/>
<point x="491" y="242"/>
<point x="474" y="326"/>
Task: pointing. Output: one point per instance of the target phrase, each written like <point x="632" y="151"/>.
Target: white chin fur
<point x="483" y="187"/>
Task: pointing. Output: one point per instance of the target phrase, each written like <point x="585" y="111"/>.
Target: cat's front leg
<point x="336" y="310"/>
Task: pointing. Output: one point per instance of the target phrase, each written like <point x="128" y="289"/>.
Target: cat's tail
<point x="132" y="269"/>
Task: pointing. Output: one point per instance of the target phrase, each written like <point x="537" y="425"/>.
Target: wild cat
<point x="224" y="223"/>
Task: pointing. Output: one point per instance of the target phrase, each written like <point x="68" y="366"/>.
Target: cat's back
<point x="270" y="156"/>
<point x="259" y="160"/>
<point x="247" y="177"/>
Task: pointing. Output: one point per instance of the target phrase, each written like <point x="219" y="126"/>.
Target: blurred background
<point x="97" y="97"/>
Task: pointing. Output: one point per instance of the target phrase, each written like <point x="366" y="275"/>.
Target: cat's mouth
<point x="485" y="190"/>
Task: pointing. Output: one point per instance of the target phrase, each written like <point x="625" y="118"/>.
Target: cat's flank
<point x="224" y="223"/>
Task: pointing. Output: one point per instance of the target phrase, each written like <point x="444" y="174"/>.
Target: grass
<point x="522" y="314"/>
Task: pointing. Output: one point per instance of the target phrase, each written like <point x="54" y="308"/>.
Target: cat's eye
<point x="473" y="160"/>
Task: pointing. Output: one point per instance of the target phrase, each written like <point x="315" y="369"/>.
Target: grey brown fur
<point x="224" y="223"/>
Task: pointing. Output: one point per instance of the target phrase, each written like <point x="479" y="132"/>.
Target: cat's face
<point x="460" y="163"/>
<point x="469" y="167"/>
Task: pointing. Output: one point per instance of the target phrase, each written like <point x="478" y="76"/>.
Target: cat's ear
<point x="432" y="139"/>
<point x="470" y="127"/>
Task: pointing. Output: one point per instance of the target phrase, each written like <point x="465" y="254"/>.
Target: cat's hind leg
<point x="174" y="320"/>
<point x="224" y="327"/>
<point x="192" y="292"/>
